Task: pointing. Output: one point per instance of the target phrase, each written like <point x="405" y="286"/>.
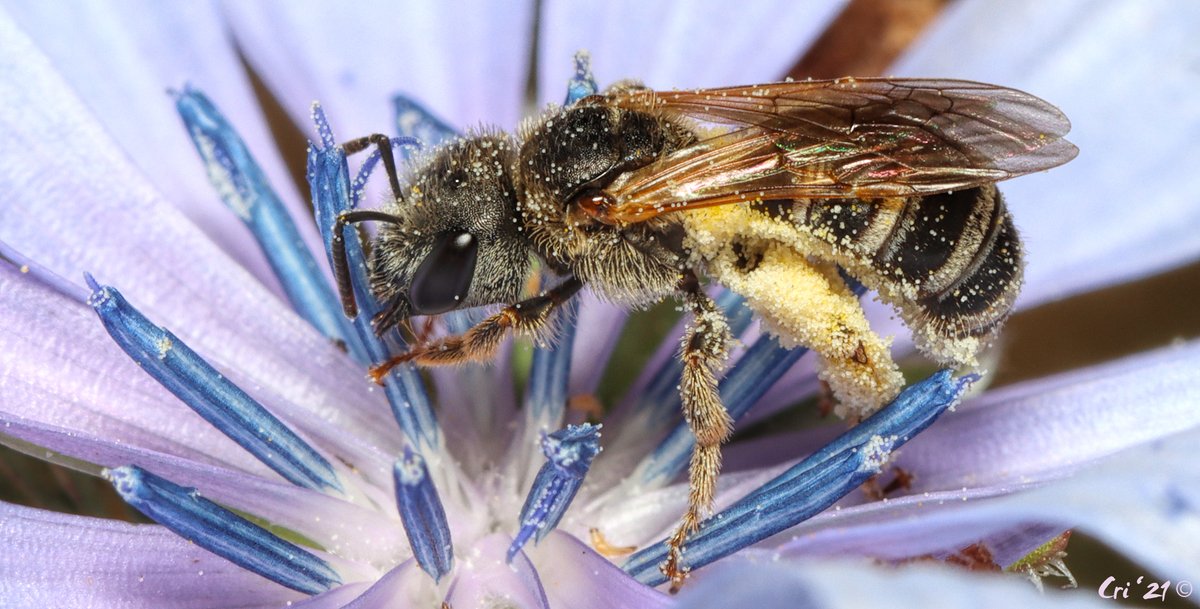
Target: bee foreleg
<point x="341" y="267"/>
<point x="704" y="349"/>
<point x="384" y="143"/>
<point x="529" y="317"/>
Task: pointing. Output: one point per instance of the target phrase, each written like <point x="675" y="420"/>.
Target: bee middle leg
<point x="530" y="317"/>
<point x="704" y="349"/>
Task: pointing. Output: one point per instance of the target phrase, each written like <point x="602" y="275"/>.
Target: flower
<point x="1010" y="469"/>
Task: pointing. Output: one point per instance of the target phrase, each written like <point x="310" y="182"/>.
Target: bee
<point x="772" y="190"/>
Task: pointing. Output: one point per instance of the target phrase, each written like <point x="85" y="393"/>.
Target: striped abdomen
<point x="952" y="261"/>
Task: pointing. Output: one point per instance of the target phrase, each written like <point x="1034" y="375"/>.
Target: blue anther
<point x="329" y="183"/>
<point x="569" y="453"/>
<point x="328" y="175"/>
<point x="222" y="532"/>
<point x="206" y="391"/>
<point x="582" y="83"/>
<point x="423" y="516"/>
<point x="415" y="121"/>
<point x="244" y="188"/>
<point x="546" y="394"/>
<point x="813" y="484"/>
<point x="359" y="185"/>
<point x="321" y="123"/>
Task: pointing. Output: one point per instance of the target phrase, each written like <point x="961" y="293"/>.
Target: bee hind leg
<point x="530" y="317"/>
<point x="704" y="349"/>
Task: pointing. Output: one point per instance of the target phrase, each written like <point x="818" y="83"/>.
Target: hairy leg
<point x="529" y="317"/>
<point x="704" y="349"/>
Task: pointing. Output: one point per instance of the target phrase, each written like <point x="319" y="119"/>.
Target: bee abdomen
<point x="980" y="293"/>
<point x="955" y="257"/>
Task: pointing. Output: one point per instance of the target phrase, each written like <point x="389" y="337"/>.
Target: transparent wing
<point x="849" y="138"/>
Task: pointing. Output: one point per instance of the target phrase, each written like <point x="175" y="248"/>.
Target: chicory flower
<point x="99" y="177"/>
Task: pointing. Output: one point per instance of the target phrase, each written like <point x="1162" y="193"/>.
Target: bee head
<point x="459" y="243"/>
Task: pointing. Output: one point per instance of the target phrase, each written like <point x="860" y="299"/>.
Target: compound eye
<point x="441" y="282"/>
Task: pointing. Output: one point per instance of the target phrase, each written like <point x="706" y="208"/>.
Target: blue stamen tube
<point x="423" y="516"/>
<point x="222" y="532"/>
<point x="569" y="454"/>
<point x="206" y="391"/>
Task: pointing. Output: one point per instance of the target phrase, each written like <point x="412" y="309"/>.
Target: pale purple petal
<point x="764" y="584"/>
<point x="576" y="577"/>
<point x="77" y="204"/>
<point x="1036" y="430"/>
<point x="334" y="599"/>
<point x="121" y="57"/>
<point x="402" y="587"/>
<point x="56" y="560"/>
<point x="484" y="578"/>
<point x="914" y="525"/>
<point x="747" y="455"/>
<point x="1128" y="206"/>
<point x="1136" y="402"/>
<point x="464" y="61"/>
<point x="677" y="44"/>
<point x="59" y="366"/>
<point x="350" y="531"/>
<point x="1144" y="502"/>
<point x="1031" y="433"/>
<point x="1042" y="429"/>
